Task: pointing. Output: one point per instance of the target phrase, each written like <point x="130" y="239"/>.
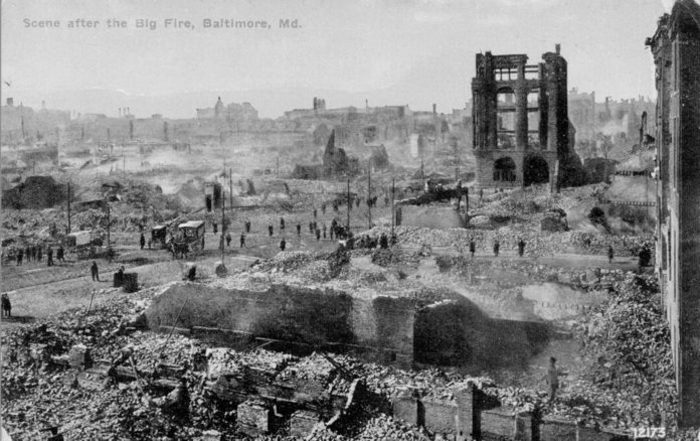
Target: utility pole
<point x="223" y="220"/>
<point x="230" y="188"/>
<point x="369" y="195"/>
<point x="393" y="192"/>
<point x="68" y="209"/>
<point x="109" y="226"/>
<point x="349" y="205"/>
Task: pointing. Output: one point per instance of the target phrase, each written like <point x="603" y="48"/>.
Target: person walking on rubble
<point x="611" y="254"/>
<point x="283" y="244"/>
<point x="472" y="247"/>
<point x="521" y="247"/>
<point x="242" y="240"/>
<point x="95" y="272"/>
<point x="496" y="248"/>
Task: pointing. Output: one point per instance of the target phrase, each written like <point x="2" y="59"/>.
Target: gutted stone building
<point x="676" y="50"/>
<point x="520" y="119"/>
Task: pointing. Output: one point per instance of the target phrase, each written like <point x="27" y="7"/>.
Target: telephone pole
<point x="68" y="209"/>
<point x="393" y="192"/>
<point x="369" y="193"/>
<point x="230" y="188"/>
<point x="349" y="205"/>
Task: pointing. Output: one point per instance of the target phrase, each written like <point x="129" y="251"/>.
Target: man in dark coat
<point x="142" y="241"/>
<point x="283" y="244"/>
<point x="95" y="272"/>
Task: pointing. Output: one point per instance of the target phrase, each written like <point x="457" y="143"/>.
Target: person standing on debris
<point x="611" y="254"/>
<point x="242" y="240"/>
<point x="20" y="254"/>
<point x="324" y="230"/>
<point x="28" y="254"/>
<point x="496" y="248"/>
<point x="553" y="378"/>
<point x="318" y="234"/>
<point x="521" y="247"/>
<point x="49" y="256"/>
<point x="281" y="223"/>
<point x="271" y="229"/>
<point x="299" y="230"/>
<point x="228" y="240"/>
<point x="6" y="306"/>
<point x="472" y="247"/>
<point x="94" y="271"/>
<point x="247" y="226"/>
<point x="59" y="254"/>
<point x="142" y="240"/>
<point x="283" y="244"/>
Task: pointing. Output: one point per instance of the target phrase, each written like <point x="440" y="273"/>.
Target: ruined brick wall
<point x="295" y="314"/>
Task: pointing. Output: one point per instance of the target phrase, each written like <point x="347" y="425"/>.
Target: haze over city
<point x="389" y="52"/>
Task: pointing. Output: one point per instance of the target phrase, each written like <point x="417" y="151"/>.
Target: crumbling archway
<point x="504" y="170"/>
<point x="535" y="170"/>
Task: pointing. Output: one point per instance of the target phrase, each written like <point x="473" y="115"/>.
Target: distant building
<point x="676" y="50"/>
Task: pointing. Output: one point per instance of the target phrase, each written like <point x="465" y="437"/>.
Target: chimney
<point x="10" y="102"/>
<point x="557" y="48"/>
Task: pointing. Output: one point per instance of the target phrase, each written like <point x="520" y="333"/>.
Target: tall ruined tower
<point x="520" y="119"/>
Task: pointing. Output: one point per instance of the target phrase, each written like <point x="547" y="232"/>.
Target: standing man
<point x="247" y="226"/>
<point x="318" y="234"/>
<point x="472" y="247"/>
<point x="242" y="240"/>
<point x="6" y="306"/>
<point x="38" y="253"/>
<point x="20" y="254"/>
<point x="552" y="378"/>
<point x="142" y="241"/>
<point x="299" y="230"/>
<point x="324" y="230"/>
<point x="496" y="248"/>
<point x="315" y="213"/>
<point x="281" y="223"/>
<point x="283" y="244"/>
<point x="228" y="239"/>
<point x="611" y="254"/>
<point x="215" y="227"/>
<point x="94" y="271"/>
<point x="271" y="229"/>
<point x="49" y="256"/>
<point x="59" y="254"/>
<point x="521" y="247"/>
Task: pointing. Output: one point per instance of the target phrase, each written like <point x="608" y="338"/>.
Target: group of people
<point x="36" y="253"/>
<point x="497" y="247"/>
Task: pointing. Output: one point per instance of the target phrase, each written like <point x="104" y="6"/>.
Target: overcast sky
<point x="412" y="52"/>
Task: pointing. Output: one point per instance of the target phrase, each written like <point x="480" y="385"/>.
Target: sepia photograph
<point x="330" y="220"/>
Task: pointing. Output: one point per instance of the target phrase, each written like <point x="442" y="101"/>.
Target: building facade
<point x="676" y="50"/>
<point x="520" y="123"/>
